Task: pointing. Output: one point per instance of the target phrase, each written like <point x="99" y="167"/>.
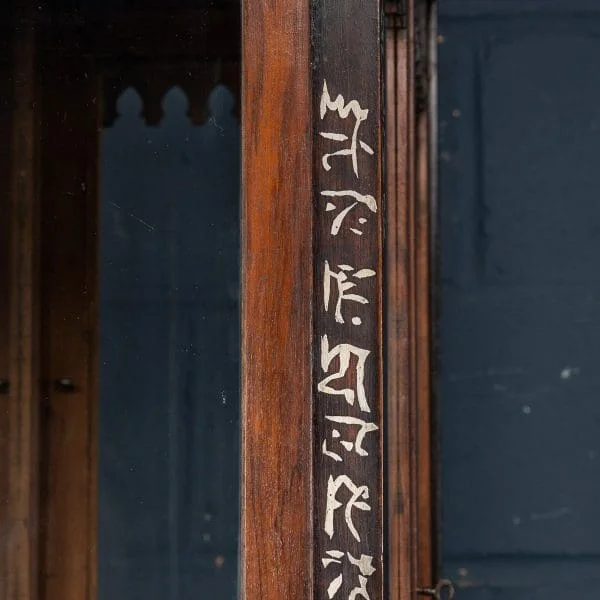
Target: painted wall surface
<point x="519" y="132"/>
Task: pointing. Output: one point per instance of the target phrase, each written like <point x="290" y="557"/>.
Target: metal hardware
<point x="4" y="386"/>
<point x="64" y="385"/>
<point x="444" y="590"/>
<point x="396" y="14"/>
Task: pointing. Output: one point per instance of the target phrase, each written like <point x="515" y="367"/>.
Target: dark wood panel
<point x="205" y="33"/>
<point x="133" y="6"/>
<point x="348" y="398"/>
<point x="277" y="284"/>
<point x="6" y="114"/>
<point x="69" y="204"/>
<point x="422" y="31"/>
<point x="20" y="414"/>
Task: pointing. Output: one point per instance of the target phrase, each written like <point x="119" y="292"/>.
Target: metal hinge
<point x="396" y="14"/>
<point x="444" y="590"/>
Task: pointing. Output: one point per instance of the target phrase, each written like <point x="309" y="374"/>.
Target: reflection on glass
<point x="169" y="353"/>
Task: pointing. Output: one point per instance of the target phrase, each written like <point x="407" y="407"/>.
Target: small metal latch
<point x="396" y="14"/>
<point x="444" y="590"/>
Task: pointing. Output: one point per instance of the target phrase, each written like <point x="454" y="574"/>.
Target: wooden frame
<point x="410" y="259"/>
<point x="276" y="310"/>
<point x="410" y="232"/>
<point x="288" y="49"/>
<point x="19" y="418"/>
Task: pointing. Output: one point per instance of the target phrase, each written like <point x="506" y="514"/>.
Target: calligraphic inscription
<point x="347" y="198"/>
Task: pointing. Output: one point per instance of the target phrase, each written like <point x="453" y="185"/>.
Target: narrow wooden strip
<point x="348" y="361"/>
<point x="19" y="568"/>
<point x="409" y="308"/>
<point x="5" y="278"/>
<point x="424" y="43"/>
<point x="69" y="203"/>
<point x="401" y="539"/>
<point x="276" y="538"/>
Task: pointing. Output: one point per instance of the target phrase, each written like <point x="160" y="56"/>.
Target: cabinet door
<point x="122" y="410"/>
<point x="410" y="308"/>
<point x="220" y="351"/>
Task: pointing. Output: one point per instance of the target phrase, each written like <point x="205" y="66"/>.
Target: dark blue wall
<point x="519" y="132"/>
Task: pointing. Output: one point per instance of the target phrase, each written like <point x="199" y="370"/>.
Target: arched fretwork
<point x="152" y="82"/>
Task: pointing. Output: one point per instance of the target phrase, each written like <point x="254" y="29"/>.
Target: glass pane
<point x="169" y="352"/>
<point x="520" y="326"/>
<point x="120" y="179"/>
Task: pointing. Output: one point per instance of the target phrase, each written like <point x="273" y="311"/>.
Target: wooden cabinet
<point x="327" y="417"/>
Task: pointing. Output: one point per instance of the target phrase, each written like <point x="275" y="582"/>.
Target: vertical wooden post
<point x="424" y="198"/>
<point x="19" y="570"/>
<point x="277" y="212"/>
<point x="348" y="298"/>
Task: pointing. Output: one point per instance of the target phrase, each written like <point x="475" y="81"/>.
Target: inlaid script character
<point x="358" y="494"/>
<point x="344" y="111"/>
<point x="348" y="445"/>
<point x="343" y="285"/>
<point x="364" y="565"/>
<point x="356" y="199"/>
<point x="344" y="352"/>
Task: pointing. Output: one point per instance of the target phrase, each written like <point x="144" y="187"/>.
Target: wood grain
<point x="347" y="52"/>
<point x="19" y="526"/>
<point x="6" y="114"/>
<point x="276" y="307"/>
<point x="409" y="333"/>
<point x="68" y="490"/>
<point x="128" y="35"/>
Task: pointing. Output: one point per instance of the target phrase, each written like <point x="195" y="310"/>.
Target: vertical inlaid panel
<point x="347" y="204"/>
<point x="400" y="511"/>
